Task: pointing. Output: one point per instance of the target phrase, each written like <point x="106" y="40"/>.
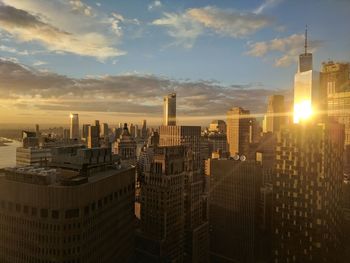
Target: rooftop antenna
<point x="305" y="46"/>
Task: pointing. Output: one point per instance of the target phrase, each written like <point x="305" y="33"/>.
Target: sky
<point x="114" y="60"/>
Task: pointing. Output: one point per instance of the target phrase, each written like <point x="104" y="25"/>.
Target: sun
<point x="302" y="111"/>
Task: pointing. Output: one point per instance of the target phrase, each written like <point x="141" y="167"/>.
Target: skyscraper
<point x="335" y="77"/>
<point x="276" y="114"/>
<point x="125" y="146"/>
<point x="104" y="131"/>
<point x="196" y="225"/>
<point x="161" y="238"/>
<point x="306" y="88"/>
<point x="169" y="110"/>
<point x="234" y="200"/>
<point x="241" y="130"/>
<point x="307" y="192"/>
<point x="74" y="126"/>
<point x="85" y="131"/>
<point x="93" y="140"/>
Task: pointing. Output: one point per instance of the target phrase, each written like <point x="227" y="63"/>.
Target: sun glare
<point x="302" y="111"/>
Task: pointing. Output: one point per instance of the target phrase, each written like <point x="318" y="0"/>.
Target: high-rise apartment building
<point x="241" y="130"/>
<point x="74" y="127"/>
<point x="161" y="238"/>
<point x="79" y="210"/>
<point x="234" y="200"/>
<point x="169" y="110"/>
<point x="307" y="192"/>
<point x="276" y="115"/>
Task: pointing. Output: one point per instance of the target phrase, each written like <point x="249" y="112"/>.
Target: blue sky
<point x="240" y="43"/>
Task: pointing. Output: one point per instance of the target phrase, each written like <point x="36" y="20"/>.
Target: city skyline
<point x="124" y="77"/>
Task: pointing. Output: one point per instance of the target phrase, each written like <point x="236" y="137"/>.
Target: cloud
<point x="266" y="4"/>
<point x="14" y="50"/>
<point x="22" y="86"/>
<point x="63" y="27"/>
<point x="39" y="63"/>
<point x="79" y="6"/>
<point x="186" y="27"/>
<point x="287" y="48"/>
<point x="181" y="27"/>
<point x="155" y="4"/>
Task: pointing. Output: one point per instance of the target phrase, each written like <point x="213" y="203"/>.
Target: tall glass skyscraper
<point x="169" y="110"/>
<point x="74" y="126"/>
<point x="306" y="87"/>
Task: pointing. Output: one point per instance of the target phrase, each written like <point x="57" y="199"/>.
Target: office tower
<point x="336" y="82"/>
<point x="196" y="225"/>
<point x="66" y="134"/>
<point x="125" y="146"/>
<point x="132" y="130"/>
<point x="74" y="127"/>
<point x="161" y="238"/>
<point x="217" y="143"/>
<point x="29" y="139"/>
<point x="146" y="156"/>
<point x="94" y="136"/>
<point x="265" y="154"/>
<point x="218" y="126"/>
<point x="117" y="132"/>
<point x="85" y="131"/>
<point x="306" y="88"/>
<point x="305" y="59"/>
<point x="339" y="110"/>
<point x="241" y="130"/>
<point x="144" y="131"/>
<point x="32" y="156"/>
<point x="276" y="114"/>
<point x="307" y="192"/>
<point x="30" y="153"/>
<point x="188" y="136"/>
<point x="37" y="130"/>
<point x="104" y="131"/>
<point x="81" y="210"/>
<point x="169" y="110"/>
<point x="335" y="77"/>
<point x="234" y="205"/>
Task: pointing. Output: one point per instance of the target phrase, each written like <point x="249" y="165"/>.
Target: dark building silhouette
<point x="161" y="237"/>
<point x="234" y="210"/>
<point x="79" y="209"/>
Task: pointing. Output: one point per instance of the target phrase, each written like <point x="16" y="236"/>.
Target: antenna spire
<point x="305" y="46"/>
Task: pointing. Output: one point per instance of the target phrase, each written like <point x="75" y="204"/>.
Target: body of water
<point x="8" y="154"/>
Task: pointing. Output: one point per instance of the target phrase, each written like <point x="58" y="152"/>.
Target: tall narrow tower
<point x="306" y="87"/>
<point x="305" y="59"/>
<point x="74" y="126"/>
<point x="169" y="110"/>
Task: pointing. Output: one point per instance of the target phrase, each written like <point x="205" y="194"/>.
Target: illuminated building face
<point x="302" y="111"/>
